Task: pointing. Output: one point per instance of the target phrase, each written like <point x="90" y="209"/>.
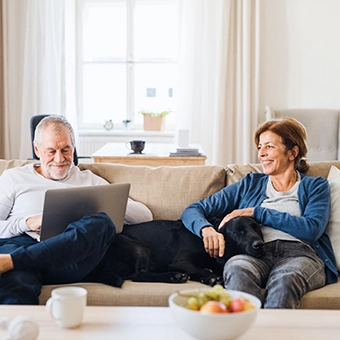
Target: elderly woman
<point x="293" y="210"/>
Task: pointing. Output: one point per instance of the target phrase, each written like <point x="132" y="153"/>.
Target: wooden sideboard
<point x="153" y="155"/>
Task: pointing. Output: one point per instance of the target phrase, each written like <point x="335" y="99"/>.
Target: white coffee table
<point x="157" y="323"/>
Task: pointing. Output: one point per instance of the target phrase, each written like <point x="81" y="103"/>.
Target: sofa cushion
<point x="131" y="293"/>
<point x="166" y="191"/>
<point x="327" y="297"/>
<point x="237" y="171"/>
<point x="157" y="294"/>
<point x="333" y="227"/>
<point x="7" y="164"/>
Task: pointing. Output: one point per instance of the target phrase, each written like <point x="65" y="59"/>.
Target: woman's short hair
<point x="58" y="122"/>
<point x="292" y="133"/>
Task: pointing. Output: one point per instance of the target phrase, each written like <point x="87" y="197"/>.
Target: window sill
<point x="126" y="133"/>
<point x="89" y="141"/>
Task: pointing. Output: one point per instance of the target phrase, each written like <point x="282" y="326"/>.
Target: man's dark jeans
<point x="65" y="258"/>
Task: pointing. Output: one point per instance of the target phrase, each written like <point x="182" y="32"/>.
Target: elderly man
<point x="25" y="264"/>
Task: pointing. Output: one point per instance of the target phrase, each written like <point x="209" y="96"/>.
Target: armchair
<point x="322" y="127"/>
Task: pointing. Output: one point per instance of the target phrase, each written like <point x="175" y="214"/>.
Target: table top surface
<point x="150" y="150"/>
<point x="125" y="323"/>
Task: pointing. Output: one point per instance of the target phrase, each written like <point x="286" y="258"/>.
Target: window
<point x="126" y="61"/>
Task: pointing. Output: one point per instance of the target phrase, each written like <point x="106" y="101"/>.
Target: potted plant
<point x="154" y="121"/>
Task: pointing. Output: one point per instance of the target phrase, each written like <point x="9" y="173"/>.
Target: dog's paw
<point x="179" y="277"/>
<point x="219" y="281"/>
<point x="212" y="280"/>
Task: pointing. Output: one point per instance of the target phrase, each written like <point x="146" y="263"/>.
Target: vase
<point x="156" y="123"/>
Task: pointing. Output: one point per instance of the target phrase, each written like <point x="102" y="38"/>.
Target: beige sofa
<point x="167" y="191"/>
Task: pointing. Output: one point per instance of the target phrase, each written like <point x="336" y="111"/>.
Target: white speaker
<point x="183" y="138"/>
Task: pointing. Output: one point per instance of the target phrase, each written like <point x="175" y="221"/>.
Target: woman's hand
<point x="34" y="222"/>
<point x="213" y="242"/>
<point x="236" y="213"/>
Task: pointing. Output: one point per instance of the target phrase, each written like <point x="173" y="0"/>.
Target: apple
<point x="237" y="305"/>
<point x="213" y="307"/>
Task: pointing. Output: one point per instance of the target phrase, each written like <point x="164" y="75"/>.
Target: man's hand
<point x="236" y="213"/>
<point x="214" y="243"/>
<point x="34" y="222"/>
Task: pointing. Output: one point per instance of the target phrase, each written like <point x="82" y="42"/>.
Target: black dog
<point x="165" y="251"/>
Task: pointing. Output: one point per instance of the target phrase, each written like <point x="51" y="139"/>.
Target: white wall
<point x="300" y="60"/>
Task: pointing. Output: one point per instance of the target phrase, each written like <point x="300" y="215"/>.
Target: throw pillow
<point x="333" y="227"/>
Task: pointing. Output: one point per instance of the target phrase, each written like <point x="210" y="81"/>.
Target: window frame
<point x="130" y="62"/>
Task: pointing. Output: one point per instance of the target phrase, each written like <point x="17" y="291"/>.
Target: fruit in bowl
<point x="214" y="313"/>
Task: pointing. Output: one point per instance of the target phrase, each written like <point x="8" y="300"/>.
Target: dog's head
<point x="243" y="236"/>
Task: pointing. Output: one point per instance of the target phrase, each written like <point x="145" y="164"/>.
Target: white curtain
<point x="218" y="67"/>
<point x="34" y="67"/>
<point x="219" y="60"/>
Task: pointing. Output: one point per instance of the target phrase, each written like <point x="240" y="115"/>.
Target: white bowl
<point x="214" y="326"/>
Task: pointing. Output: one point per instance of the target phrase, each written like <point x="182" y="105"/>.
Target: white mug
<point x="67" y="306"/>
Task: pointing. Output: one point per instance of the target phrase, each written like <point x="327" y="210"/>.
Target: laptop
<point x="66" y="205"/>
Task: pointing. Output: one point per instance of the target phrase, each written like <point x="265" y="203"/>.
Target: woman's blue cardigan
<point x="314" y="202"/>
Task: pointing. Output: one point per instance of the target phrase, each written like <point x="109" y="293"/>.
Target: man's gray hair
<point x="56" y="120"/>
